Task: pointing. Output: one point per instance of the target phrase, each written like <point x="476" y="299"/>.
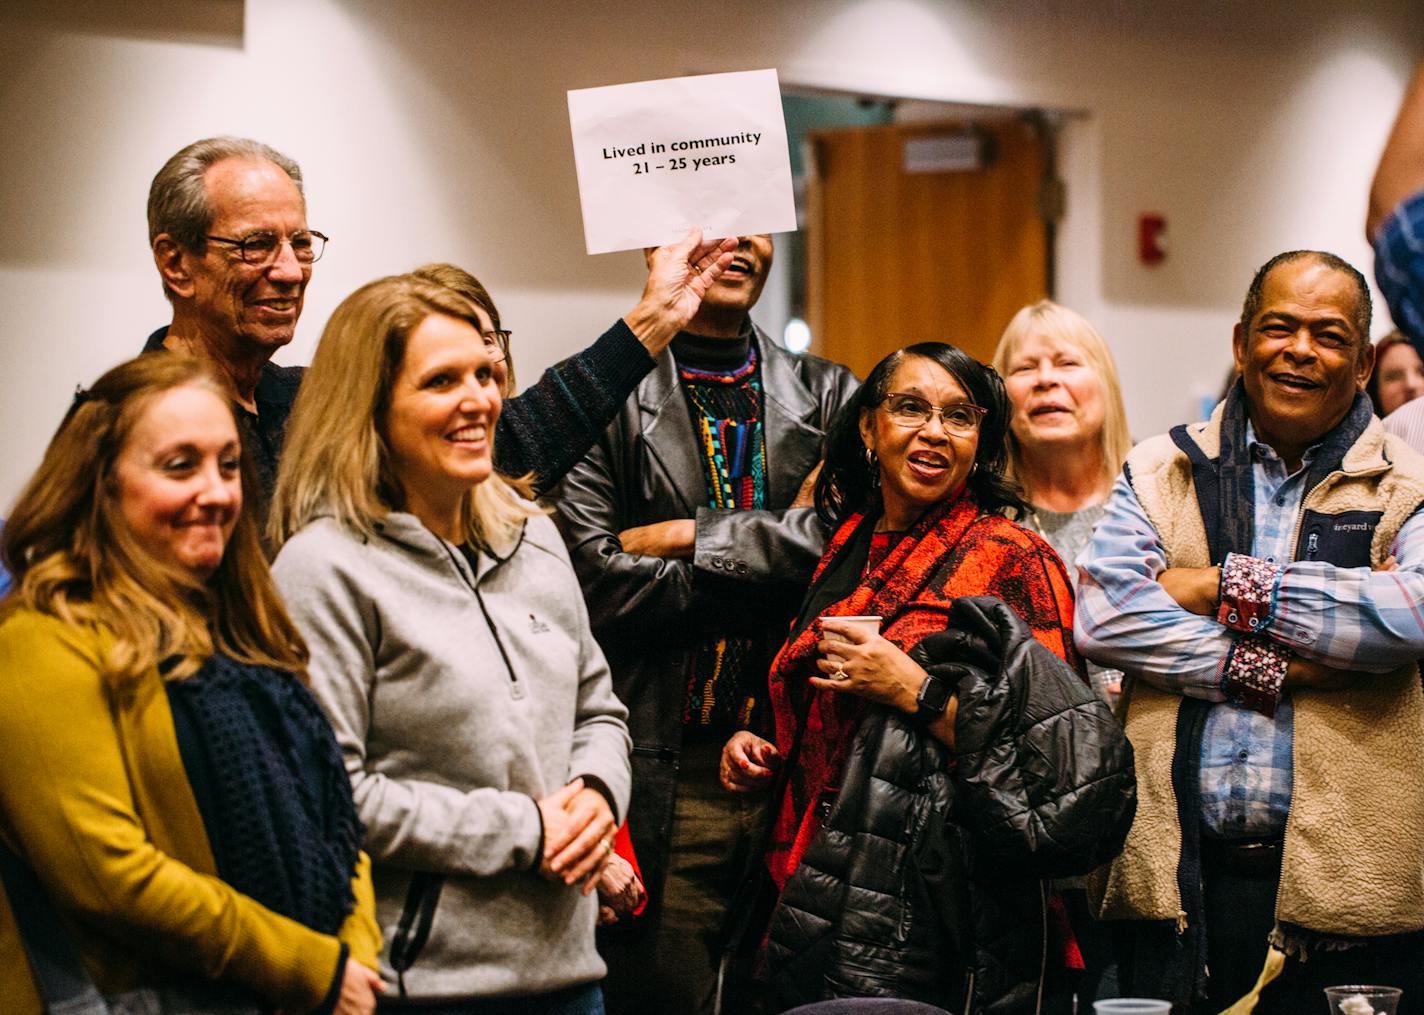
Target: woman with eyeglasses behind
<point x="931" y="766"/>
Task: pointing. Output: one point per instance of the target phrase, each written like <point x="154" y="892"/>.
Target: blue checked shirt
<point x="1349" y="618"/>
<point x="1399" y="266"/>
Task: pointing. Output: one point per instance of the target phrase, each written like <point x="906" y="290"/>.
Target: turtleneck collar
<point x="703" y="353"/>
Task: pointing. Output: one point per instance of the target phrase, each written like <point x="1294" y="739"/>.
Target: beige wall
<point x="438" y="130"/>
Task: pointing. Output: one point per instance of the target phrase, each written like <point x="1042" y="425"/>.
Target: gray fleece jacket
<point x="458" y="698"/>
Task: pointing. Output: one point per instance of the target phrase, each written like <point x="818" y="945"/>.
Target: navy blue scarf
<point x="1225" y="487"/>
<point x="271" y="787"/>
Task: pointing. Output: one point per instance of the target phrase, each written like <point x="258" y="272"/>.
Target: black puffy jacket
<point x="926" y="881"/>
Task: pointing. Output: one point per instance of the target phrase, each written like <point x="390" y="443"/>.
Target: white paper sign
<point x="655" y="158"/>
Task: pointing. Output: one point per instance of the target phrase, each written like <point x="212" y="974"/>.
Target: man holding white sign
<point x="694" y="542"/>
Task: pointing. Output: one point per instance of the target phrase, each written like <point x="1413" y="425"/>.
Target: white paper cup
<point x="1363" y="999"/>
<point x="869" y="625"/>
<point x="1132" y="1006"/>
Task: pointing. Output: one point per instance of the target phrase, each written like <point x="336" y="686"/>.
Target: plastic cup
<point x="1363" y="999"/>
<point x="1132" y="1006"/>
<point x="868" y="625"/>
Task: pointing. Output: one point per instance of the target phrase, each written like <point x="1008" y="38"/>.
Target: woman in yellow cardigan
<point x="167" y="777"/>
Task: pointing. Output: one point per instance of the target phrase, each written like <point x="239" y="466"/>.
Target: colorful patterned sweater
<point x="721" y="382"/>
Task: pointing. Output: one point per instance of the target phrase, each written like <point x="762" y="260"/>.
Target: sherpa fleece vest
<point x="1353" y="861"/>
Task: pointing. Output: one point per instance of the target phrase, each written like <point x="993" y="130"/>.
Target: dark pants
<point x="1073" y="991"/>
<point x="670" y="964"/>
<point x="1240" y="904"/>
<point x="584" y="999"/>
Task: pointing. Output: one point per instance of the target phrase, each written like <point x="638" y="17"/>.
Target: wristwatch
<point x="932" y="699"/>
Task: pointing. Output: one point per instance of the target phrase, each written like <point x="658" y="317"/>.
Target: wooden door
<point x="896" y="257"/>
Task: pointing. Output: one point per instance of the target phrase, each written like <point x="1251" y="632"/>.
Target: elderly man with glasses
<point x="227" y="223"/>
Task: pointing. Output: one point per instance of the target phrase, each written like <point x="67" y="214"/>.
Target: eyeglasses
<point x="497" y="344"/>
<point x="911" y="411"/>
<point x="260" y="249"/>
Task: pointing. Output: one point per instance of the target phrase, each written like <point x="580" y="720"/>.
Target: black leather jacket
<point x="926" y="881"/>
<point x="747" y="575"/>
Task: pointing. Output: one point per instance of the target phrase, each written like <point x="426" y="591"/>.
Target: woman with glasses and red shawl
<point x="928" y="779"/>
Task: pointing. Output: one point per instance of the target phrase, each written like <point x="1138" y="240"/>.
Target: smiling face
<point x="179" y="479"/>
<point x="1401" y="377"/>
<point x="921" y="467"/>
<point x="731" y="297"/>
<point x="1057" y="395"/>
<point x="1302" y="359"/>
<point x="439" y="427"/>
<point x="239" y="304"/>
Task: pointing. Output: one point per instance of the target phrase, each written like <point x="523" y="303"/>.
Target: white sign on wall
<point x="655" y="158"/>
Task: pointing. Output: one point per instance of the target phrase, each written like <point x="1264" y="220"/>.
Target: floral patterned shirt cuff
<point x="1247" y="584"/>
<point x="1254" y="673"/>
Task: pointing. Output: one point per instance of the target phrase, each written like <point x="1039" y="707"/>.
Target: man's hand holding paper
<point x="656" y="158"/>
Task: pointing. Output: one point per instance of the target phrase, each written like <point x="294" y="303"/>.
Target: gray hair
<point x="1255" y="295"/>
<point x="178" y="199"/>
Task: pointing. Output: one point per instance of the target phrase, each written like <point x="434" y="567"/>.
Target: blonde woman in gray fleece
<point x="450" y="646"/>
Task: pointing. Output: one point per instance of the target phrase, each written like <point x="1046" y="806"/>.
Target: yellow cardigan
<point x="94" y="796"/>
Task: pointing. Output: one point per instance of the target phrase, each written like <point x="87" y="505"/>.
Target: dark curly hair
<point x="848" y="483"/>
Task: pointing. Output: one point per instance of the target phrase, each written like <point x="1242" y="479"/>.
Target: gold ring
<point x="607" y="847"/>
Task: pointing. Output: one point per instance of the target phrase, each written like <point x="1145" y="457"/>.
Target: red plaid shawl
<point x="953" y="551"/>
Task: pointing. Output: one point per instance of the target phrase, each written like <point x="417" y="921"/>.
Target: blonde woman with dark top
<point x="1067" y="443"/>
<point x="171" y="794"/>
<point x="1069" y="437"/>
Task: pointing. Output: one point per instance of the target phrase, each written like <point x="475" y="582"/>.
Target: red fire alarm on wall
<point x="1151" y="238"/>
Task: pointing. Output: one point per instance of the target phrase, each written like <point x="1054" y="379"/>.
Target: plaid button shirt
<point x="1350" y="618"/>
<point x="1399" y="266"/>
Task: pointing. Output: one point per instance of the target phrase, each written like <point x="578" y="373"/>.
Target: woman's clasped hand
<point x="578" y="835"/>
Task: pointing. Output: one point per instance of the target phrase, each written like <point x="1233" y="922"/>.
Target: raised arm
<point x="549" y="427"/>
<point x="1401" y="167"/>
<point x="69" y="809"/>
<point x="678" y="277"/>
